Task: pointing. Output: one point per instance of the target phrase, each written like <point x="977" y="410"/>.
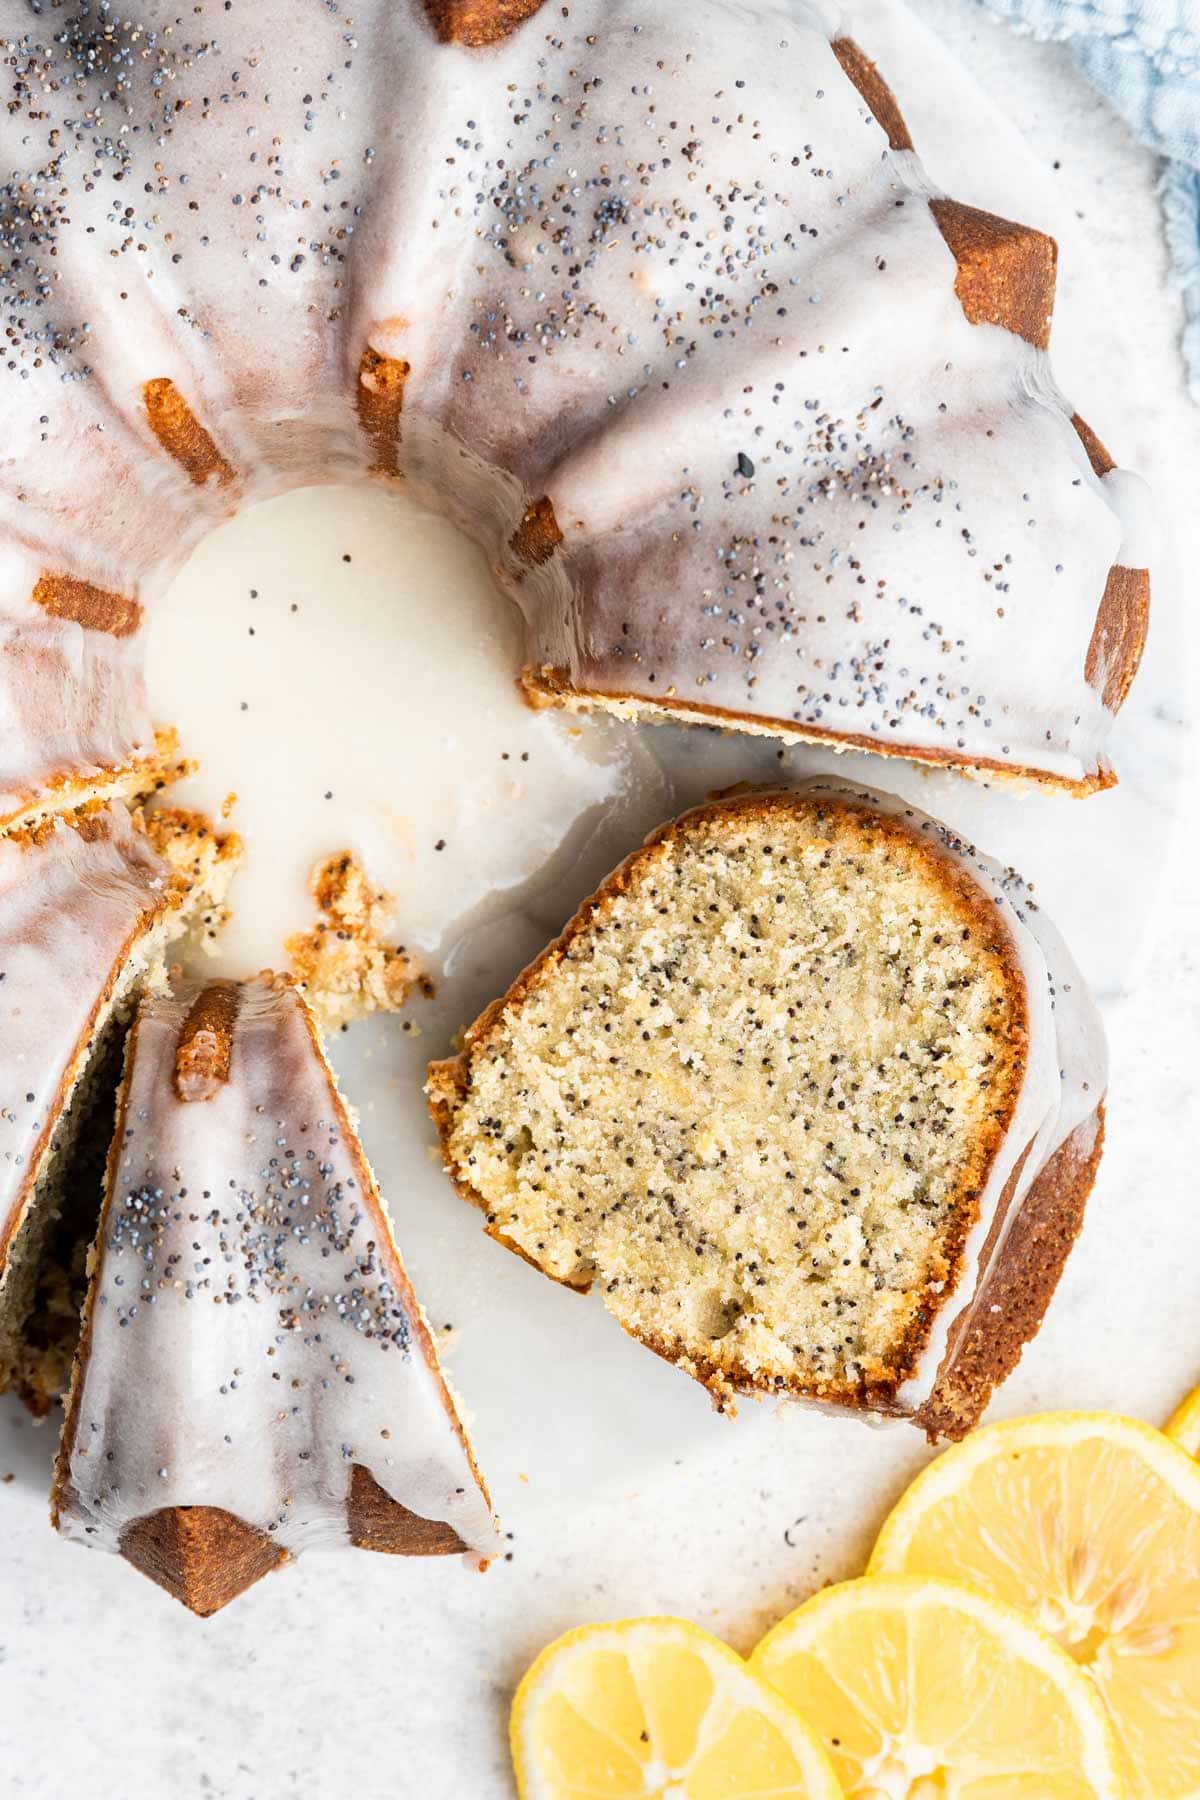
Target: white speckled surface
<point x="381" y="1678"/>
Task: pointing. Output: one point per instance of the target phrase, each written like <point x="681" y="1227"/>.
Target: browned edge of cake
<point x="1123" y="621"/>
<point x="553" y="686"/>
<point x="1030" y="1262"/>
<point x="476" y="24"/>
<point x="1013" y="1297"/>
<point x="183" y="437"/>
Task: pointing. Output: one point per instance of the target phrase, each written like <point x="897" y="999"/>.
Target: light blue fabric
<point x="1144" y="55"/>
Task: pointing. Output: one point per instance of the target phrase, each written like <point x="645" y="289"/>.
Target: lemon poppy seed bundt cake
<point x="810" y="1091"/>
<point x="756" y="426"/>
<point x="244" y="1246"/>
<point x="656" y="301"/>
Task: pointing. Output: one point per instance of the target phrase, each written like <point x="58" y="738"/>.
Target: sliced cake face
<point x="766" y="1093"/>
<point x="88" y="906"/>
<point x="255" y="1376"/>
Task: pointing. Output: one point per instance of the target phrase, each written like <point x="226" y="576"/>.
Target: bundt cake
<point x="244" y="1247"/>
<point x="810" y="1090"/>
<point x="655" y="300"/>
<point x="89" y="905"/>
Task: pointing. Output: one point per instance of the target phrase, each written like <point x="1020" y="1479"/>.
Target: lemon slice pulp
<point x="656" y="1709"/>
<point x="1090" y="1524"/>
<point x="923" y="1690"/>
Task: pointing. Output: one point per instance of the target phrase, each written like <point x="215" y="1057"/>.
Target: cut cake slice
<point x="810" y="1091"/>
<point x="255" y="1377"/>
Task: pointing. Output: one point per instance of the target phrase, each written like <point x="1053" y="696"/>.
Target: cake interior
<point x="45" y="1276"/>
<point x="753" y="1094"/>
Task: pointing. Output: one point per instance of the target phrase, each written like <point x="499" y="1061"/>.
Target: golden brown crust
<point x="182" y="436"/>
<point x="377" y="1522"/>
<point x="1119" y="634"/>
<point x="203" y="1556"/>
<point x="1102" y="463"/>
<point x="84" y="604"/>
<point x="1018" y="1288"/>
<point x="477" y="23"/>
<point x="548" y="686"/>
<point x="1123" y="619"/>
<point x="1006" y="272"/>
<point x="538" y="536"/>
<point x="449" y="1080"/>
<point x="205" y="1049"/>
<point x="874" y="90"/>
<point x="380" y="400"/>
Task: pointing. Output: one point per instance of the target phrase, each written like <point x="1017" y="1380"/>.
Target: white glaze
<point x="236" y="1252"/>
<point x="536" y="228"/>
<point x="72" y="908"/>
<point x="1133" y="503"/>
<point x="348" y="742"/>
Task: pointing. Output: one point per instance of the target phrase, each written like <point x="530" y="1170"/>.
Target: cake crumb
<point x="345" y="962"/>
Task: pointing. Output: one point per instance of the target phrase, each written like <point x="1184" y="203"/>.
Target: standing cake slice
<point x="810" y="1090"/>
<point x="255" y="1377"/>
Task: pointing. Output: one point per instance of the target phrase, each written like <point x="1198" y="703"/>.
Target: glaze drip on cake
<point x="753" y="423"/>
<point x="244" y="1246"/>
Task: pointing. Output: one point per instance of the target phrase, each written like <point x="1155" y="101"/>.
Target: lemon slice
<point x="1184" y="1424"/>
<point x="924" y="1690"/>
<point x="655" y="1709"/>
<point x="1091" y="1525"/>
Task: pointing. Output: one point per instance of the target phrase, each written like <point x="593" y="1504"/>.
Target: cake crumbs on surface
<point x="202" y="860"/>
<point x="346" y="963"/>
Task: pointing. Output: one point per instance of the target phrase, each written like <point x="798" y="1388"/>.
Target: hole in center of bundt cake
<point x="342" y="661"/>
<point x="754" y="1095"/>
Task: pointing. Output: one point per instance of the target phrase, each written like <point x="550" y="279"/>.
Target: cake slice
<point x="255" y="1377"/>
<point x="89" y="905"/>
<point x="810" y="1090"/>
